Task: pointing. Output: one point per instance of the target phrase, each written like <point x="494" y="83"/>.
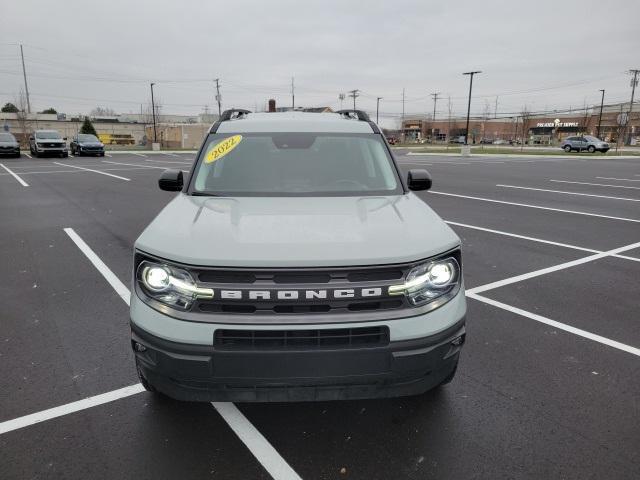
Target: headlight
<point x="170" y="285"/>
<point x="438" y="279"/>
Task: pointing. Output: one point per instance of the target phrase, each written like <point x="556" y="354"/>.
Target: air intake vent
<point x="301" y="339"/>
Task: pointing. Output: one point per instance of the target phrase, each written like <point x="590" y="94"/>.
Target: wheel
<point x="567" y="148"/>
<point x="449" y="377"/>
<point x="18" y="155"/>
<point x="102" y="154"/>
<point x="591" y="149"/>
<point x="35" y="154"/>
<point x="144" y="382"/>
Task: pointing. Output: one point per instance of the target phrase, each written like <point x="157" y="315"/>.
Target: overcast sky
<point x="543" y="54"/>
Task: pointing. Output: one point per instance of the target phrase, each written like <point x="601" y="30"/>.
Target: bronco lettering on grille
<point x="299" y="294"/>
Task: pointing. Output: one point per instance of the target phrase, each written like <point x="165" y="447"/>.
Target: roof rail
<point x="229" y="115"/>
<point x="359" y="115"/>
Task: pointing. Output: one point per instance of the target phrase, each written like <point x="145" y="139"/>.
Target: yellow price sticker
<point x="221" y="148"/>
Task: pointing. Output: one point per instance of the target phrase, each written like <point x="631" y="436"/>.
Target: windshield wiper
<point x="204" y="194"/>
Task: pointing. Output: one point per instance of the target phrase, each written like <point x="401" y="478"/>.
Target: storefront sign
<point x="557" y="123"/>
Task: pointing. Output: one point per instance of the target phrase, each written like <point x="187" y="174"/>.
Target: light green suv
<point x="296" y="263"/>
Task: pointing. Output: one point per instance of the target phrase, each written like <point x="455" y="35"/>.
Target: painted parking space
<point x="526" y="402"/>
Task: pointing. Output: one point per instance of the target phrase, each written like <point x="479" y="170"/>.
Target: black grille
<point x="301" y="339"/>
<point x="294" y="277"/>
<point x="297" y="308"/>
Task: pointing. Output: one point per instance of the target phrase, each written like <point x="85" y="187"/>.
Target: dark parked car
<point x="86" y="144"/>
<point x="9" y="145"/>
<point x="588" y="143"/>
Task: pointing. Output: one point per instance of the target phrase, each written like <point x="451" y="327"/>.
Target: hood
<point x="8" y="143"/>
<point x="50" y="140"/>
<point x="296" y="232"/>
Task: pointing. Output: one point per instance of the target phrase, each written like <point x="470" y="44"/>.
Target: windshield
<point x="51" y="135"/>
<point x="591" y="139"/>
<point x="87" y="138"/>
<point x="295" y="164"/>
<point x="7" y="137"/>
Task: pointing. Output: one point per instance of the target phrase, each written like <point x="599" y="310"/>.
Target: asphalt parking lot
<point x="548" y="385"/>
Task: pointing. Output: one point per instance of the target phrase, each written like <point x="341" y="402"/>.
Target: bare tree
<point x="22" y="118"/>
<point x="586" y="120"/>
<point x="102" y="112"/>
<point x="526" y="119"/>
<point x="450" y="113"/>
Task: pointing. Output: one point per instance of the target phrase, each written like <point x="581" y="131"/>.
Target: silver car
<point x="295" y="263"/>
<point x="587" y="142"/>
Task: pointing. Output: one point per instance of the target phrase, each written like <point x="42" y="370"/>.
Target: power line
<point x="354" y="94"/>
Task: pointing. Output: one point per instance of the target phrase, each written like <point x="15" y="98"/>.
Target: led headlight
<point x="170" y="285"/>
<point x="438" y="279"/>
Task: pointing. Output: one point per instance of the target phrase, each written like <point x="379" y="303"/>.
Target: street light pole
<point x="433" y="119"/>
<point x="600" y="116"/>
<point x="471" y="74"/>
<point x="378" y="108"/>
<point x="153" y="111"/>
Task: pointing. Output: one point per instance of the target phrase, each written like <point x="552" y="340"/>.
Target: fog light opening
<point x="458" y="341"/>
<point x="138" y="347"/>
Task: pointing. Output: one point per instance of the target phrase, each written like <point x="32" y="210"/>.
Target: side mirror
<point x="171" y="180"/>
<point x="418" y="179"/>
<point x="30" y="137"/>
<point x="65" y="139"/>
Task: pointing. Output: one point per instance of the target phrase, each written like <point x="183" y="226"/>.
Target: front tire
<point x="449" y="378"/>
<point x="567" y="148"/>
<point x="591" y="149"/>
<point x="144" y="382"/>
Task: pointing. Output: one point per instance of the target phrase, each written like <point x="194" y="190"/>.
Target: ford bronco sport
<point x="296" y="263"/>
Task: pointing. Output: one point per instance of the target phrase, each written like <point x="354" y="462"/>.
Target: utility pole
<point x="600" y="116"/>
<point x="341" y="97"/>
<point x="378" y="108"/>
<point x="433" y="119"/>
<point x="354" y="94"/>
<point x="218" y="97"/>
<point x="402" y="119"/>
<point x="495" y="111"/>
<point x="293" y="95"/>
<point x="153" y="110"/>
<point x="24" y="74"/>
<point x="471" y="74"/>
<point x="634" y="82"/>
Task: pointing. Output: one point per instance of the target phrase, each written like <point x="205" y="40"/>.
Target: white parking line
<point x="105" y="271"/>
<point x="95" y="171"/>
<point x="570" y="193"/>
<point x="259" y="446"/>
<point x="619" y="179"/>
<point x="556" y="324"/>
<point x="555" y="268"/>
<point x="170" y="154"/>
<point x="492" y="200"/>
<point x="106" y="154"/>
<point x="142" y="166"/>
<point x="75" y="171"/>
<point x="28" y="155"/>
<point x="139" y="154"/>
<point x="68" y="408"/>
<point x="540" y="240"/>
<point x="168" y="161"/>
<point x="597" y="184"/>
<point x="14" y="175"/>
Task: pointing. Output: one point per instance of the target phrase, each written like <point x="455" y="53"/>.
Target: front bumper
<point x="206" y="373"/>
<point x="9" y="151"/>
<point x="90" y="150"/>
